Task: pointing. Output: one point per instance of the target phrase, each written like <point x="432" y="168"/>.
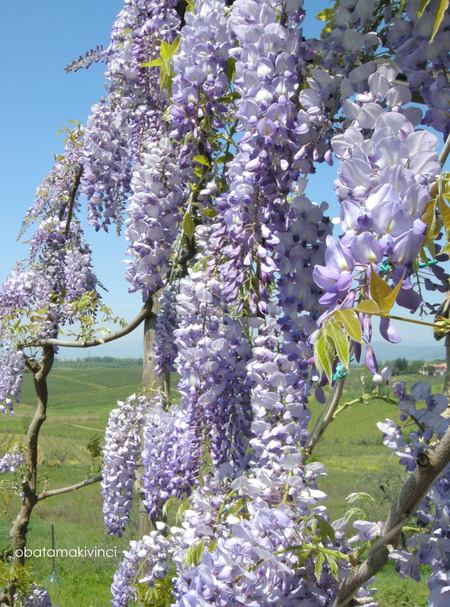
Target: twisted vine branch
<point x="404" y="506"/>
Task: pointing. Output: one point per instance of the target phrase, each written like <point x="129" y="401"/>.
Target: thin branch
<point x="145" y="312"/>
<point x="89" y="481"/>
<point x="330" y="409"/>
<point x="445" y="152"/>
<point x="433" y="325"/>
<point x="404" y="506"/>
<point x="73" y="194"/>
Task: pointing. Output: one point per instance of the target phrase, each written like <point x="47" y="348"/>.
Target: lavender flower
<point x="12" y="365"/>
<point x="165" y="348"/>
<point x="211" y="361"/>
<point x="152" y="228"/>
<point x="36" y="596"/>
<point x="11" y="460"/>
<point x="143" y="563"/>
<point x="121" y="454"/>
<point x="169" y="457"/>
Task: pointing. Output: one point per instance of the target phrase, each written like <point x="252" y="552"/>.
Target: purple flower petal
<point x="389" y="332"/>
<point x="371" y="361"/>
<point x="366" y="248"/>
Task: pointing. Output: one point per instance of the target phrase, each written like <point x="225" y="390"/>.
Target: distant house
<point x="433" y="369"/>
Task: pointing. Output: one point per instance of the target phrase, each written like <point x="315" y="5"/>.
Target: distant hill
<point x="98" y="362"/>
<point x="383" y="350"/>
<point x="409" y="350"/>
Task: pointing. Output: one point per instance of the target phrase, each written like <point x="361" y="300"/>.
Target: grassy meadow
<point x="79" y="404"/>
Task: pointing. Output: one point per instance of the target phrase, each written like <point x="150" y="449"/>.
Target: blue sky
<point x="38" y="40"/>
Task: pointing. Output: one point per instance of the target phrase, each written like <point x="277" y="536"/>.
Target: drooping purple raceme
<point x="301" y="236"/>
<point x="170" y="457"/>
<point x="132" y="111"/>
<point x="121" y="456"/>
<point x="36" y="596"/>
<point x="160" y="184"/>
<point x="279" y="398"/>
<point x="164" y="347"/>
<point x="11" y="460"/>
<point x="200" y="76"/>
<point x="425" y="63"/>
<point x="212" y="354"/>
<point x="12" y="366"/>
<point x="250" y="532"/>
<point x="430" y="547"/>
<point x="159" y="190"/>
<point x="59" y="187"/>
<point x="58" y="271"/>
<point x="268" y="75"/>
<point x="62" y="266"/>
<point x="387" y="169"/>
<point x="143" y="563"/>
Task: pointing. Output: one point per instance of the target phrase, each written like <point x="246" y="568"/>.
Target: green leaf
<point x="440" y="14"/>
<point x="350" y="320"/>
<point x="154" y="63"/>
<point x="172" y="501"/>
<point x="224" y="158"/>
<point x="401" y="7"/>
<point x="231" y="69"/>
<point x="165" y="50"/>
<point x="444" y="210"/>
<point x="325" y="15"/>
<point x="188" y="226"/>
<point x="381" y="292"/>
<point x="318" y="566"/>
<point x="429" y="217"/>
<point x="198" y="172"/>
<point x="193" y="555"/>
<point x="368" y="307"/>
<point x="353" y="497"/>
<point x="165" y="79"/>
<point x="209" y="212"/>
<point x="422" y="6"/>
<point x="324" y="354"/>
<point x="446" y="249"/>
<point x="181" y="510"/>
<point x="354" y="512"/>
<point x="175" y="45"/>
<point x="333" y="566"/>
<point x="326" y="530"/>
<point x="236" y="507"/>
<point x="340" y="342"/>
<point x="202" y="160"/>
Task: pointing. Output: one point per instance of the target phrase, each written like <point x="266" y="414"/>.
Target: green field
<point x="79" y="404"/>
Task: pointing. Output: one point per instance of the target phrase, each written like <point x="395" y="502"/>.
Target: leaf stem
<point x="416" y="322"/>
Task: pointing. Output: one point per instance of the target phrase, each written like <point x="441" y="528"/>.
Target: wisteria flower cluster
<point x="431" y="546"/>
<point x="386" y="171"/>
<point x="164" y="347"/>
<point x="12" y="366"/>
<point x="150" y="550"/>
<point x="200" y="76"/>
<point x="170" y="457"/>
<point x="423" y="61"/>
<point x="215" y="113"/>
<point x="11" y="460"/>
<point x="159" y="189"/>
<point x="120" y="460"/>
<point x="212" y="355"/>
<point x="132" y="111"/>
<point x="37" y="596"/>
